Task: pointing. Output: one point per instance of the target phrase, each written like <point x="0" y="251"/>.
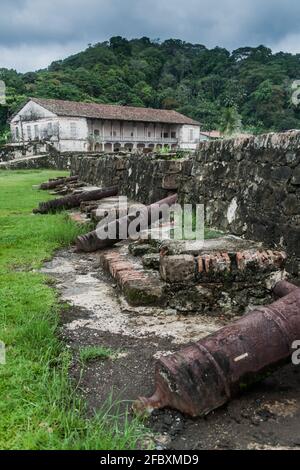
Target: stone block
<point x="291" y="205"/>
<point x="151" y="261"/>
<point x="296" y="177"/>
<point x="282" y="173"/>
<point x="137" y="249"/>
<point x="170" y="166"/>
<point x="170" y="182"/>
<point x="177" y="268"/>
<point x="139" y="292"/>
<point x="121" y="163"/>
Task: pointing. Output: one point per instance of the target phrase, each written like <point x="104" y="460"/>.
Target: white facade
<point x="189" y="137"/>
<point x="34" y="123"/>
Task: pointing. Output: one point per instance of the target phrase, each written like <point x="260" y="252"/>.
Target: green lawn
<point x="39" y="408"/>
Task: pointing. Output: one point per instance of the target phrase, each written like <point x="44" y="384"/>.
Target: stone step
<point x="139" y="286"/>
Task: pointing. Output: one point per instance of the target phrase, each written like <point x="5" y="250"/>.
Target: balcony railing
<point x="151" y="140"/>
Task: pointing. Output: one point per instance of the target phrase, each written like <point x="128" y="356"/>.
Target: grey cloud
<point x="43" y="30"/>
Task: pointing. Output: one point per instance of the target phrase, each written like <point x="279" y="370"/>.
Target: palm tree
<point x="231" y="122"/>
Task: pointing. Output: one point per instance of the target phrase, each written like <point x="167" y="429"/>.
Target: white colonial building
<point x="90" y="127"/>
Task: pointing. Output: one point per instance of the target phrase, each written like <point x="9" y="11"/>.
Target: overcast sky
<point x="33" y="33"/>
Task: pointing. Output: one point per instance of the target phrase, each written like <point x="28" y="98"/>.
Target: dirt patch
<point x="263" y="417"/>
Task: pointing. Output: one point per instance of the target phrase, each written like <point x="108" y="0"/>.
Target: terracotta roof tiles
<point x="105" y="111"/>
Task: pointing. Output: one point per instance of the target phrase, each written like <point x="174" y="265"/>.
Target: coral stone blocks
<point x="177" y="268"/>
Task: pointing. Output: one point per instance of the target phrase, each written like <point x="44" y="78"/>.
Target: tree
<point x="231" y="122"/>
<point x="209" y="85"/>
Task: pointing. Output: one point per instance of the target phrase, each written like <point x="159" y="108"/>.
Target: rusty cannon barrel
<point x="52" y="184"/>
<point x="74" y="200"/>
<point x="206" y="375"/>
<point x="92" y="242"/>
<point x="284" y="288"/>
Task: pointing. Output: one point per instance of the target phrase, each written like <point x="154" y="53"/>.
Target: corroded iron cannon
<point x="91" y="241"/>
<point x="74" y="200"/>
<point x="52" y="184"/>
<point x="206" y="375"/>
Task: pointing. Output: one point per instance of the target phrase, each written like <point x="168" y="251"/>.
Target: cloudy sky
<point x="33" y="33"/>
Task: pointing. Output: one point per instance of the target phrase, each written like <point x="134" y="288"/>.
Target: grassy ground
<point x="39" y="408"/>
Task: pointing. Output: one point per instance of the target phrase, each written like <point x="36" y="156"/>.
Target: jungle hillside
<point x="250" y="86"/>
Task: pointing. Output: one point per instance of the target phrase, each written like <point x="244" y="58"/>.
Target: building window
<point x="73" y="129"/>
<point x="191" y="134"/>
<point x="132" y="134"/>
<point x="49" y="129"/>
<point x="173" y="135"/>
<point x="166" y="135"/>
<point x="17" y="133"/>
<point x="29" y="135"/>
<point x="149" y="134"/>
<point x="36" y="132"/>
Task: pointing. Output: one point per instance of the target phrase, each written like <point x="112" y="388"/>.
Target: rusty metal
<point x="284" y="288"/>
<point x="206" y="375"/>
<point x="74" y="200"/>
<point x="91" y="242"/>
<point x="52" y="184"/>
<point x="68" y="188"/>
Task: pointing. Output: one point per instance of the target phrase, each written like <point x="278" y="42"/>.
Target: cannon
<point x="91" y="241"/>
<point x="207" y="374"/>
<point x="74" y="200"/>
<point x="52" y="184"/>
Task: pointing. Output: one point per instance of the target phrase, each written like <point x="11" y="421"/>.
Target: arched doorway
<point x="140" y="147"/>
<point x="128" y="147"/>
<point x="117" y="147"/>
<point x="108" y="148"/>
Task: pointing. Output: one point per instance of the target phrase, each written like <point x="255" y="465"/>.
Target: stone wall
<point x="52" y="162"/>
<point x="145" y="178"/>
<point x="251" y="187"/>
<point x="17" y="150"/>
<point x="6" y="154"/>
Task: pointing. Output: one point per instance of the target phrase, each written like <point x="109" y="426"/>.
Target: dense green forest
<point x="250" y="86"/>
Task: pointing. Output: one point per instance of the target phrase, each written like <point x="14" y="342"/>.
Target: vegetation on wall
<point x="250" y="86"/>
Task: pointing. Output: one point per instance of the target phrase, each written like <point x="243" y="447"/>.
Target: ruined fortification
<point x="250" y="186"/>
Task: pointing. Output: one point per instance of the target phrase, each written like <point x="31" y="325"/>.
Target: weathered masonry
<point x="250" y="186"/>
<point x="70" y="126"/>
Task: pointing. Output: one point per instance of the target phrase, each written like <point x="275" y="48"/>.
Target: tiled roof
<point x="105" y="111"/>
<point x="219" y="135"/>
<point x="212" y="134"/>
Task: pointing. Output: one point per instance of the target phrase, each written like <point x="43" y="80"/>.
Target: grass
<point x="91" y="353"/>
<point x="210" y="234"/>
<point x="39" y="406"/>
